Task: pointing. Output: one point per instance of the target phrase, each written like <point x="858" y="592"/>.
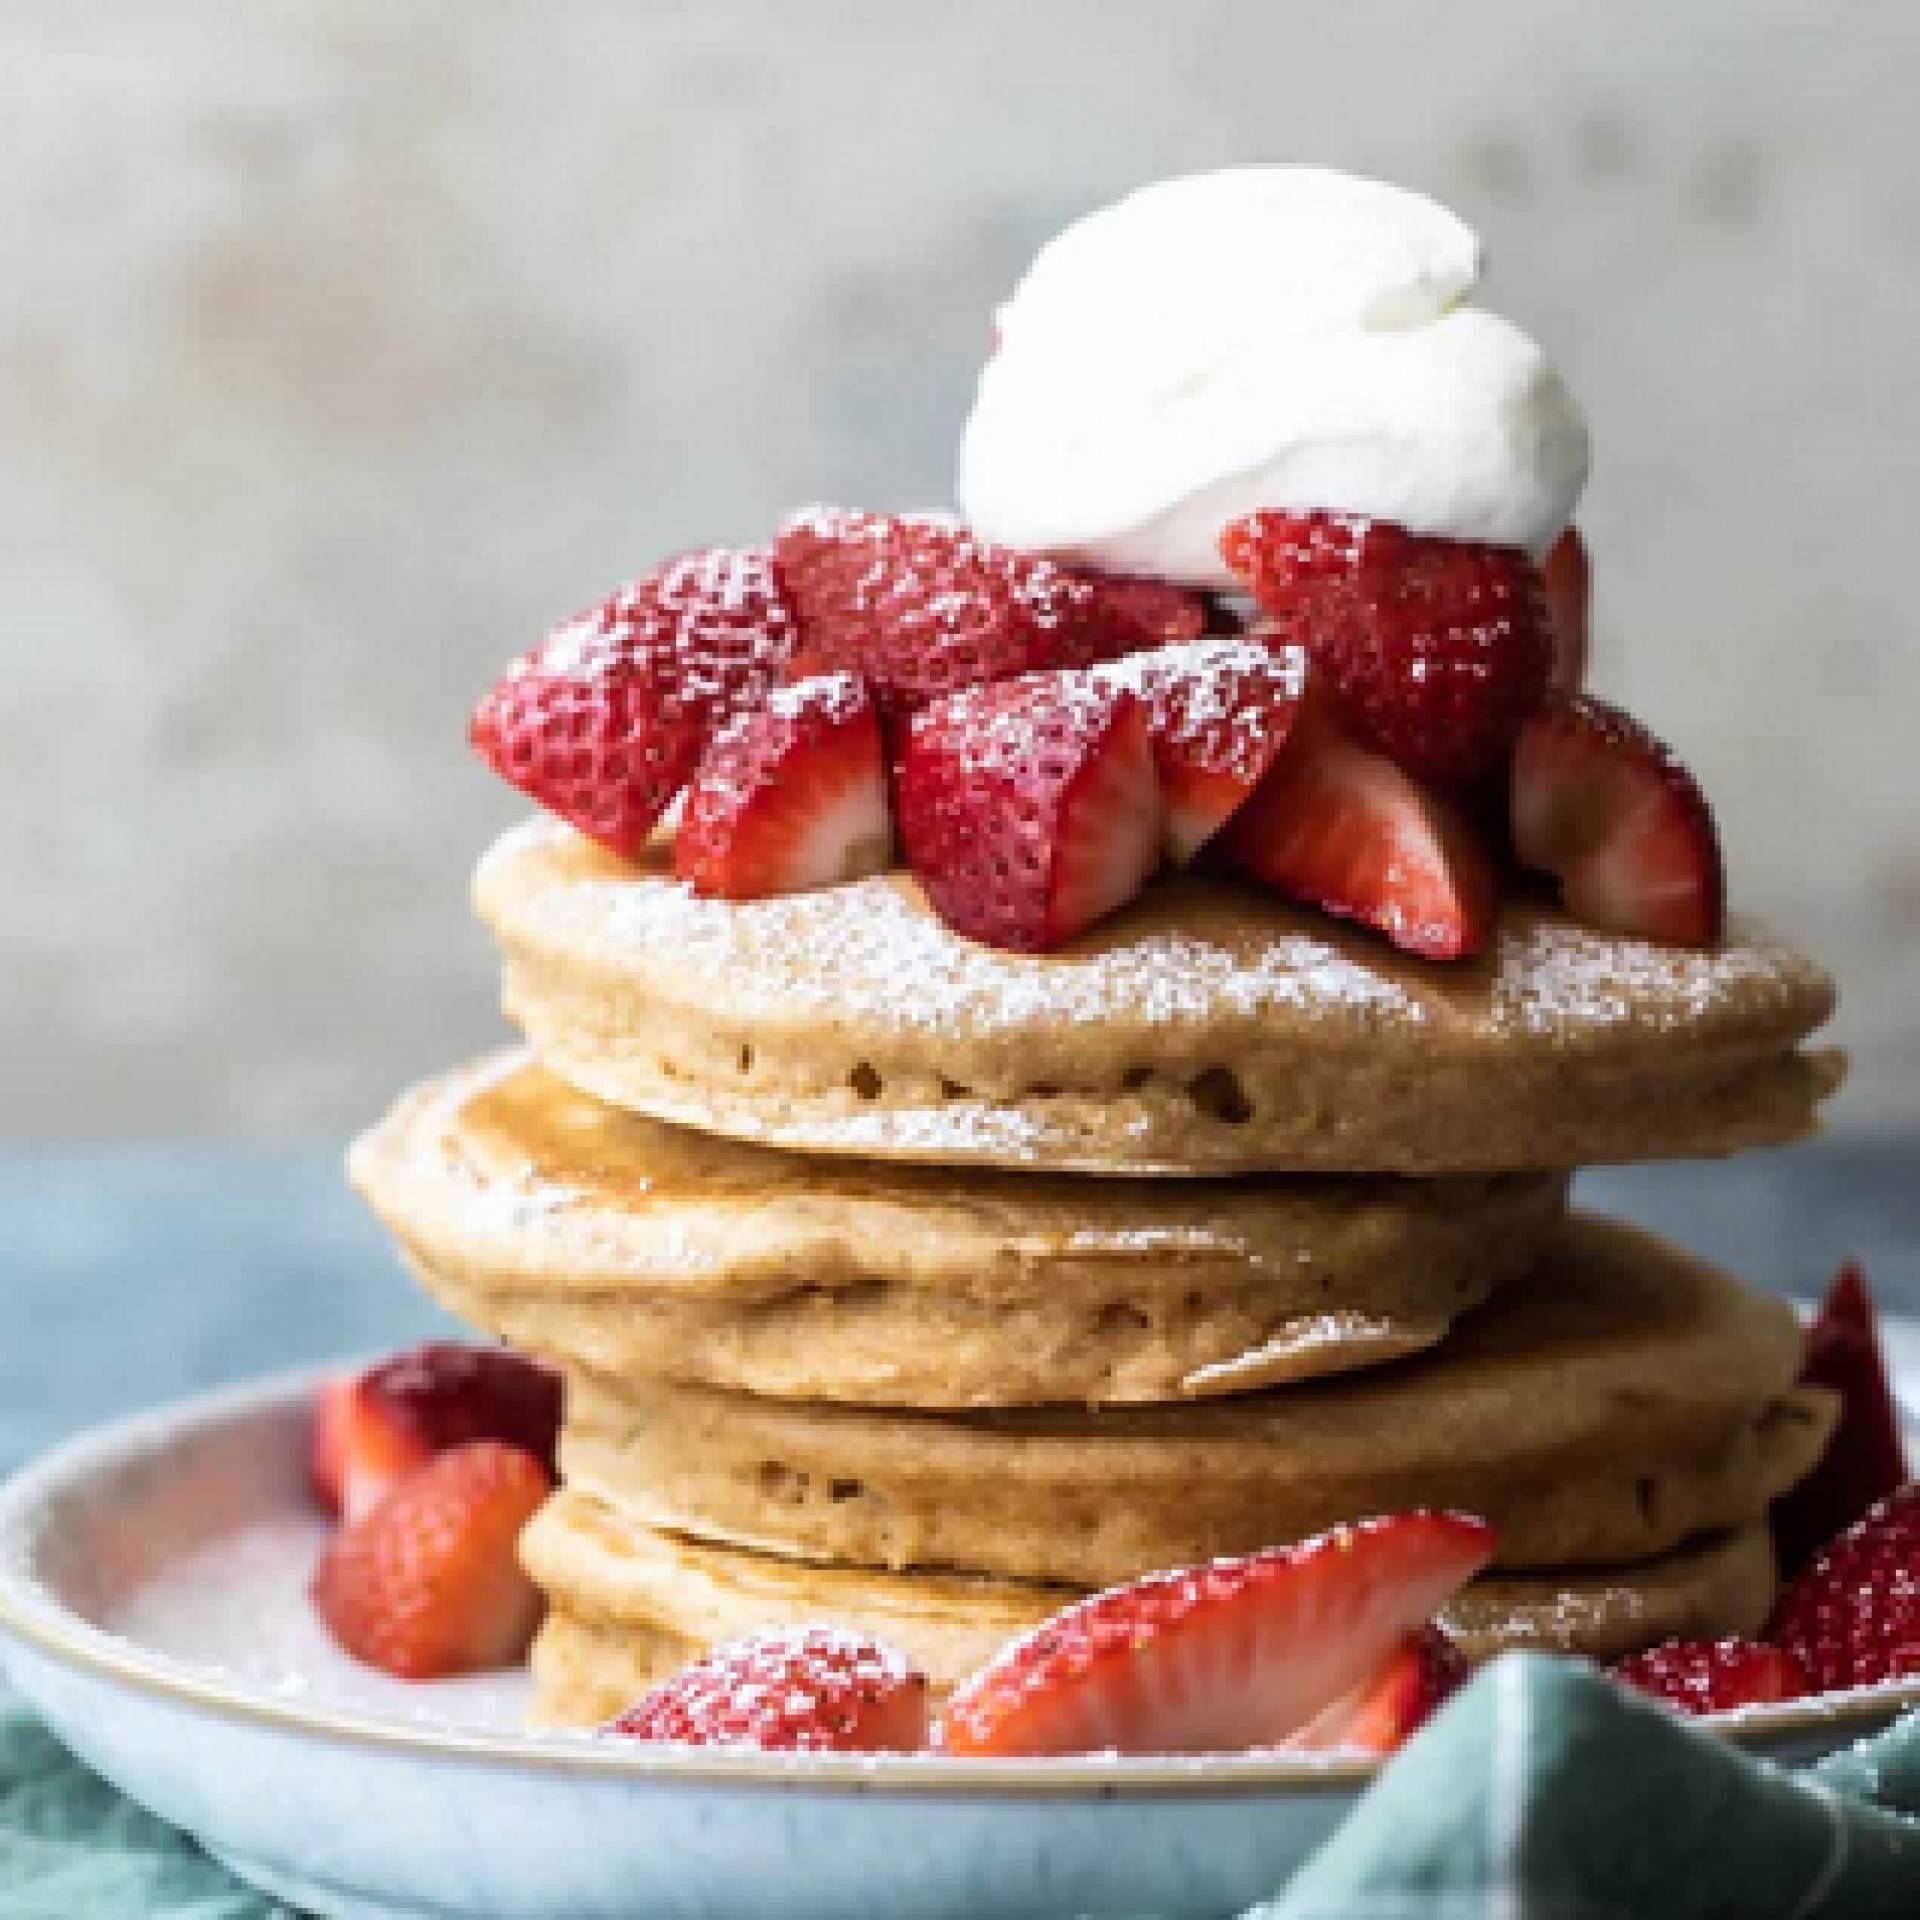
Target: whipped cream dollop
<point x="1262" y="337"/>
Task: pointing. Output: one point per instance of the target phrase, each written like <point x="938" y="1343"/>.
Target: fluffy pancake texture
<point x="1210" y="1028"/>
<point x="606" y="1241"/>
<point x="1619" y="1399"/>
<point x="632" y="1605"/>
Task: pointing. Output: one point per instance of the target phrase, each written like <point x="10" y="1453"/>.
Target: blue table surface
<point x="131" y="1275"/>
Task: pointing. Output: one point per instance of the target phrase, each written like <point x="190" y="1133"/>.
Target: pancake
<point x="1211" y="1028"/>
<point x="631" y="1606"/>
<point x="1618" y="1399"/>
<point x="603" y="1240"/>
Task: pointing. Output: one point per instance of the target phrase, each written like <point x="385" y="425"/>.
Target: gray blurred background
<point x="344" y="344"/>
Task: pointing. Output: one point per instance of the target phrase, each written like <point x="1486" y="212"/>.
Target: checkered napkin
<point x="1542" y="1793"/>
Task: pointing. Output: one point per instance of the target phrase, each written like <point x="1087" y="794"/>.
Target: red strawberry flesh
<point x="1608" y="810"/>
<point x="807" y="1690"/>
<point x="1220" y="712"/>
<point x="1420" y="1676"/>
<point x="1029" y="808"/>
<point x="604" y="722"/>
<point x="1337" y="826"/>
<point x="1436" y="649"/>
<point x="428" y="1583"/>
<point x="1568" y="581"/>
<point x="919" y="607"/>
<point x="368" y="1432"/>
<point x="791" y="796"/>
<point x="1866" y="1459"/>
<point x="1853" y="1616"/>
<point x="1220" y="1658"/>
<point x="1714" y="1676"/>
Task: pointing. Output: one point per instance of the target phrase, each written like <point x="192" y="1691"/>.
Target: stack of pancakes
<point x="919" y="1286"/>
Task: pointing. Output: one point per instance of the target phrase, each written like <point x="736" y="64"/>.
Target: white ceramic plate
<point x="153" y="1609"/>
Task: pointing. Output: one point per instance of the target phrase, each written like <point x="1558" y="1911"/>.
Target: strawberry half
<point x="1605" y="808"/>
<point x="427" y="1584"/>
<point x="368" y="1432"/>
<point x="1714" y="1676"/>
<point x="1342" y="828"/>
<point x="1029" y="808"/>
<point x="919" y="608"/>
<point x="1853" y="1616"/>
<point x="1866" y="1458"/>
<point x="1567" y="579"/>
<point x="1436" y="649"/>
<point x="791" y="795"/>
<point x="806" y="1690"/>
<point x="1220" y="711"/>
<point x="603" y="723"/>
<point x="1383" y="1713"/>
<point x="1216" y="1659"/>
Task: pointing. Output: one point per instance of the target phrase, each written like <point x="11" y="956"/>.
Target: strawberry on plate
<point x="1866" y="1458"/>
<point x="802" y="1690"/>
<point x="603" y="722"/>
<point x="1029" y="808"/>
<point x="369" y="1431"/>
<point x="1220" y="711"/>
<point x="1605" y="808"/>
<point x="1337" y="826"/>
<point x="1385" y="1711"/>
<point x="1219" y="1658"/>
<point x="1436" y="649"/>
<point x="791" y="795"/>
<point x="427" y="1584"/>
<point x="1853" y="1616"/>
<point x="1714" y="1676"/>
<point x="1567" y="578"/>
<point x="919" y="607"/>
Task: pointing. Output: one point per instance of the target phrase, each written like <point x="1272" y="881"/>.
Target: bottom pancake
<point x="631" y="1605"/>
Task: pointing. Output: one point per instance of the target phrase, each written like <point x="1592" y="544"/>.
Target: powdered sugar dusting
<point x="1553" y="974"/>
<point x="873" y="948"/>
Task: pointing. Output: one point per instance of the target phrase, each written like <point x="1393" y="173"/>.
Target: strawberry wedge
<point x="790" y="796"/>
<point x="1220" y="710"/>
<point x="1218" y="1658"/>
<point x="1605" y="808"/>
<point x="1382" y="1714"/>
<point x="1029" y="809"/>
<point x="1340" y="827"/>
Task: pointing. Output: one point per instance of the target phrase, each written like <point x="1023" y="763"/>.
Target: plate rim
<point x="35" y="1617"/>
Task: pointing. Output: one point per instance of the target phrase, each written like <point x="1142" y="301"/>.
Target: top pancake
<point x="1211" y="1028"/>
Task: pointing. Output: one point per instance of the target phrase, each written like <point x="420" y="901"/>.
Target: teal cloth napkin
<point x="71" y="1848"/>
<point x="1542" y="1793"/>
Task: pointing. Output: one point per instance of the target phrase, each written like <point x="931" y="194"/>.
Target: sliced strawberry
<point x="807" y="1690"/>
<point x="1866" y="1458"/>
<point x="1568" y="580"/>
<point x="367" y="1433"/>
<point x="1436" y="649"/>
<point x="790" y="796"/>
<point x="918" y="607"/>
<point x="1853" y="1616"/>
<point x="1220" y="711"/>
<point x="1385" y="1711"/>
<point x="603" y="723"/>
<point x="1342" y="828"/>
<point x="1029" y="808"/>
<point x="1213" y="1659"/>
<point x="1605" y="808"/>
<point x="1715" y="1676"/>
<point x="427" y="1584"/>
